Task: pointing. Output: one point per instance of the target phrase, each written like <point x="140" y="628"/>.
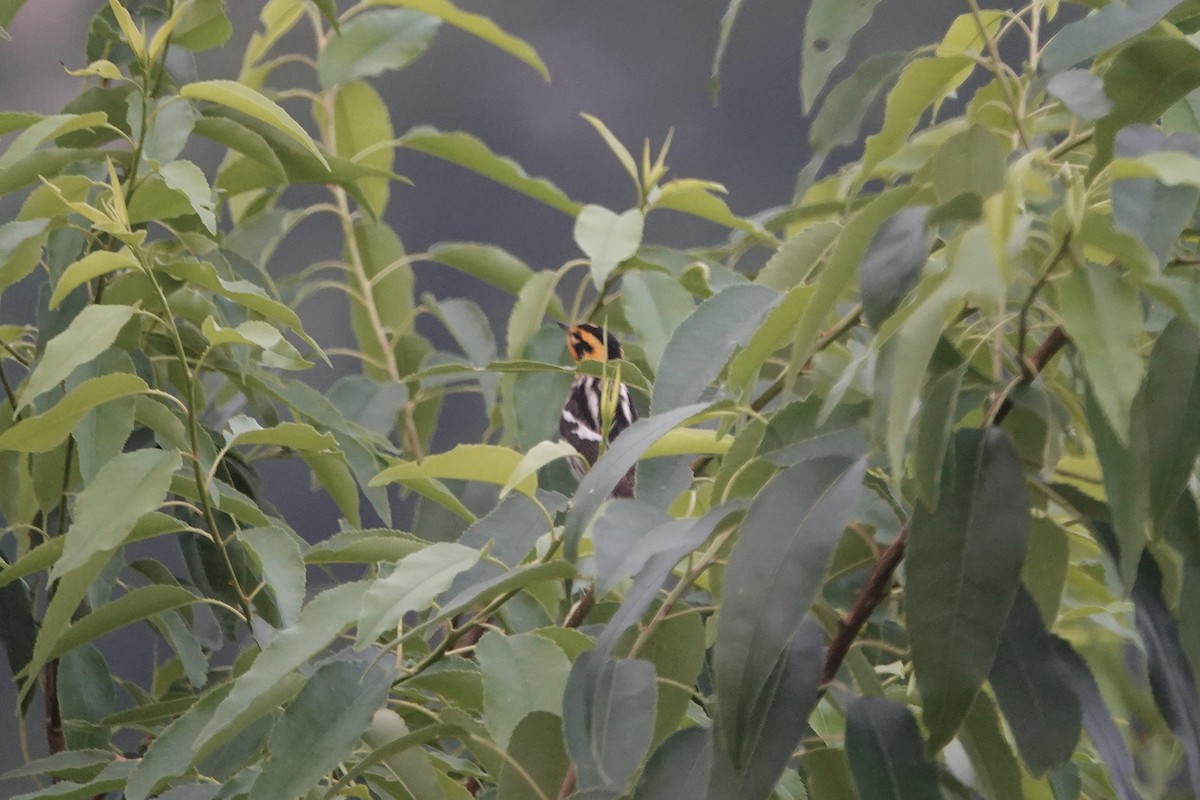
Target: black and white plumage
<point x="581" y="420"/>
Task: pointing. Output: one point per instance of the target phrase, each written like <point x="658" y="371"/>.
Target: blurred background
<point x="642" y="67"/>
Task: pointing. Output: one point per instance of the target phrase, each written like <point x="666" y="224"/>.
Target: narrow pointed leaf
<point x="886" y="752"/>
<point x="241" y="97"/>
<point x="417" y="579"/>
<point x="1032" y="691"/>
<point x="963" y="569"/>
<point x="92" y="332"/>
<point x="774" y="573"/>
<point x="828" y="29"/>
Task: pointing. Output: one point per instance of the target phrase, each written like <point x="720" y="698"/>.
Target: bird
<point x="583" y="414"/>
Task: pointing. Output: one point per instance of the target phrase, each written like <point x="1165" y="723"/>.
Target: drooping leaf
<point x="840" y="119"/>
<point x="892" y="264"/>
<point x="374" y="42"/>
<point x="793" y="525"/>
<point x="996" y="769"/>
<point x="608" y="718"/>
<point x="362" y="129"/>
<point x="486" y="262"/>
<point x="963" y="570"/>
<point x="886" y="751"/>
<point x="747" y="767"/>
<point x="537" y="744"/>
<point x="1098" y="721"/>
<point x="278" y="553"/>
<point x="1031" y="689"/>
<point x="321" y="726"/>
<point x="476" y="25"/>
<point x="469" y="152"/>
<point x="828" y="28"/>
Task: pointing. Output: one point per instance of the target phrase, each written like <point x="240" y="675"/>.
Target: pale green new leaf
<point x="45" y="431"/>
<point x="93" y="265"/>
<point x="608" y="238"/>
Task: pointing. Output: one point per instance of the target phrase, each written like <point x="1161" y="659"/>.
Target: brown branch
<point x="55" y="740"/>
<point x="879" y="581"/>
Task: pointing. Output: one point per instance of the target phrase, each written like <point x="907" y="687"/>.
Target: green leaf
<point x="892" y="264"/>
<point x="375" y="42"/>
<point x="18" y="629"/>
<point x="467" y="151"/>
<point x="521" y="674"/>
<point x="793" y="525"/>
<point x="1172" y="400"/>
<point x="679" y="767"/>
<point x="1102" y="315"/>
<point x="93" y="265"/>
<point x="797" y="258"/>
<point x="608" y="238"/>
<point x="828" y="29"/>
<point x="536" y="744"/>
<point x="827" y="773"/>
<point x="840" y="120"/>
<point x="843" y="265"/>
<point x="202" y="25"/>
<point x="45" y="431"/>
<point x="324" y="618"/>
<point x="279" y="558"/>
<point x="963" y="566"/>
<point x="138" y="605"/>
<point x="412" y="586"/>
<point x="1098" y="722"/>
<point x="110" y="779"/>
<point x="780" y="721"/>
<point x="611" y="467"/>
<point x="726" y="29"/>
<point x="1088" y="37"/>
<point x="476" y="25"/>
<point x="242" y="292"/>
<point x="127" y="487"/>
<point x="1144" y="80"/>
<point x="90" y="333"/>
<point x="241" y="97"/>
<point x="484" y="261"/>
<point x="43" y="130"/>
<point x="1082" y="92"/>
<point x="971" y="161"/>
<point x="885" y="750"/>
<point x="364" y="547"/>
<point x="188" y="180"/>
<point x="539" y="455"/>
<point x="1045" y="571"/>
<point x="703" y="342"/>
<point x="996" y="769"/>
<point x="656" y="305"/>
<point x="677" y="651"/>
<point x="608" y="718"/>
<point x="1154" y="212"/>
<point x="322" y="726"/>
<point x="21" y="245"/>
<point x="537" y="297"/>
<point x="1040" y="706"/>
<point x="934" y="427"/>
<point x="1171" y="677"/>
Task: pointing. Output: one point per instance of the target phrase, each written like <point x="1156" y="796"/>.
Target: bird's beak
<point x="561" y="325"/>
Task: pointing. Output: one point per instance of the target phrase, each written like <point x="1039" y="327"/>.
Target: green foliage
<point x="974" y="348"/>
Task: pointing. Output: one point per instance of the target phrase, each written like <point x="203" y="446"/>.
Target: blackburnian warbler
<point x="595" y="405"/>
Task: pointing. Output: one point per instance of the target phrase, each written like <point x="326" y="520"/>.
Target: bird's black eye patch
<point x="580" y="347"/>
